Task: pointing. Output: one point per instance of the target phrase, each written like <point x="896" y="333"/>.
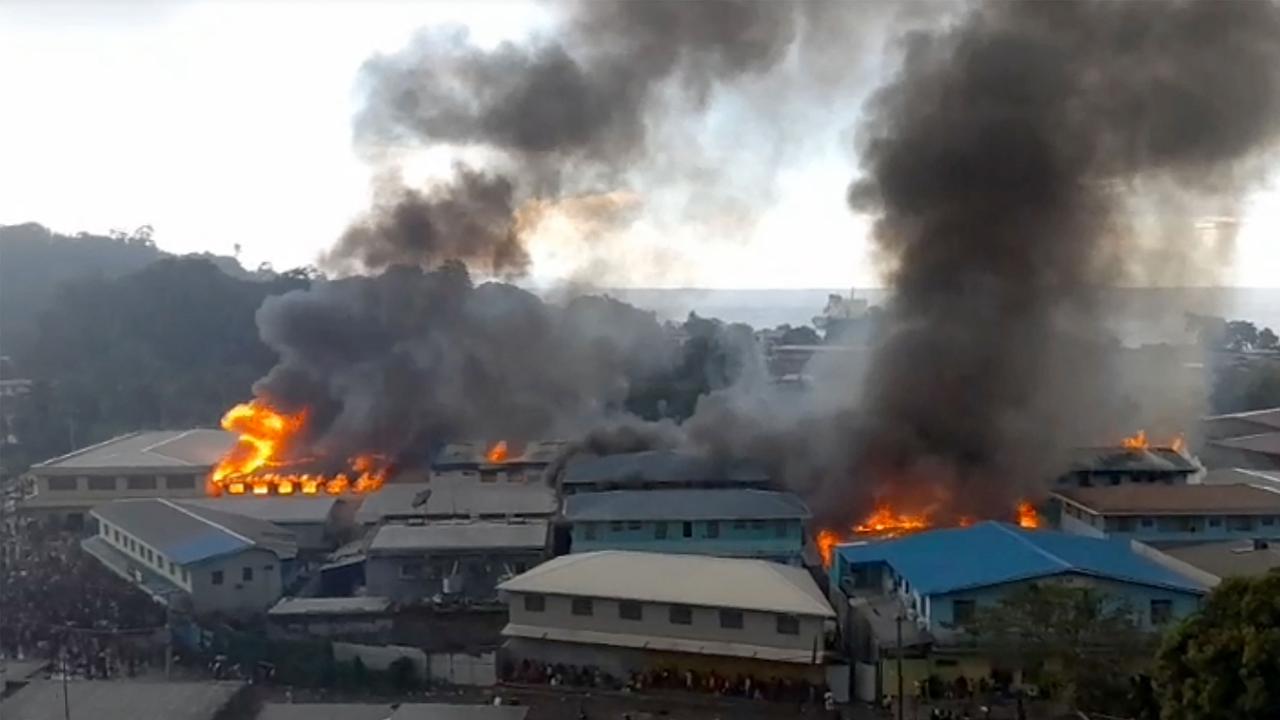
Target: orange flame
<point x="827" y="541"/>
<point x="1178" y="444"/>
<point x="266" y="436"/>
<point x="498" y="453"/>
<point x="1027" y="516"/>
<point x="885" y="522"/>
<point x="1135" y="442"/>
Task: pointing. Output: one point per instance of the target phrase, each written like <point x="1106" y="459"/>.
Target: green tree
<point x="1267" y="339"/>
<point x="1223" y="663"/>
<point x="1078" y="639"/>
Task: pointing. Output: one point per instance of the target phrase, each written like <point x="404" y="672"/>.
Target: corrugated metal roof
<point x="454" y="535"/>
<point x="469" y="454"/>
<point x="272" y="508"/>
<point x="330" y="606"/>
<point x="680" y="579"/>
<point x="684" y="504"/>
<point x="1230" y="558"/>
<point x="192" y="534"/>
<point x="453" y="496"/>
<point x="657" y="467"/>
<point x="1138" y="499"/>
<point x="175" y="449"/>
<point x="1119" y="459"/>
<point x="1267" y="443"/>
<point x="658" y="642"/>
<point x="992" y="553"/>
<point x="120" y="700"/>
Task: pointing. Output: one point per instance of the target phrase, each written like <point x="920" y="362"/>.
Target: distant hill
<point x="35" y="263"/>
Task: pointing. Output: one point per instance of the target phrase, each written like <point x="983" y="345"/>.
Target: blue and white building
<point x="730" y="523"/>
<point x="1171" y="514"/>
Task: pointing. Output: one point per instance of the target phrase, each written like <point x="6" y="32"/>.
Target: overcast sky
<point x="225" y="123"/>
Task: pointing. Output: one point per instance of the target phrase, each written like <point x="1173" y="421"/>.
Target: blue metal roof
<point x="190" y="534"/>
<point x="992" y="553"/>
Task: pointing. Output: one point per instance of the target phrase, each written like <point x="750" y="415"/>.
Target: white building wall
<point x="84" y="491"/>
<point x="235" y="594"/>
<point x="758" y="628"/>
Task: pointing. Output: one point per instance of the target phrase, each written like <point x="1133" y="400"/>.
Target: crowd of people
<point x="772" y="689"/>
<point x="58" y="603"/>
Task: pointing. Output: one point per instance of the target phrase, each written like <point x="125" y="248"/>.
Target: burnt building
<point x="1119" y="465"/>
<point x="498" y="461"/>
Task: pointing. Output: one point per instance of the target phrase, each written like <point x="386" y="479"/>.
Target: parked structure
<point x="451" y="560"/>
<point x="1107" y="466"/>
<point x="937" y="581"/>
<point x="730" y="523"/>
<point x="208" y="560"/>
<point x="126" y="700"/>
<point x="330" y="617"/>
<point x="1178" y="513"/>
<point x="655" y="469"/>
<point x="170" y="464"/>
<point x="624" y="612"/>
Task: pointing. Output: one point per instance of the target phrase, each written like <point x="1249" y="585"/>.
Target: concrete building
<point x="1213" y="562"/>
<point x="127" y="700"/>
<point x="937" y="581"/>
<point x="1107" y="466"/>
<point x="168" y="464"/>
<point x="330" y="617"/>
<point x="1177" y="513"/>
<point x="459" y="497"/>
<point x="730" y="523"/>
<point x="498" y="461"/>
<point x="208" y="560"/>
<point x="626" y="612"/>
<point x="399" y="711"/>
<point x="451" y="560"/>
<point x="655" y="469"/>
<point x="319" y="523"/>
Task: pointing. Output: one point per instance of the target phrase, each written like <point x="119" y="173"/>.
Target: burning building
<point x="1134" y="459"/>
<point x="498" y="460"/>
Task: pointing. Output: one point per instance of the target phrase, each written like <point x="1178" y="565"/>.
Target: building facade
<point x="728" y="522"/>
<point x="204" y="560"/>
<point x="1186" y="513"/>
<point x="451" y="560"/>
<point x="166" y="464"/>
<point x="1110" y="466"/>
<point x="623" y="612"/>
<point x="655" y="469"/>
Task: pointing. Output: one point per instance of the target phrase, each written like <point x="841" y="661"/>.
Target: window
<point x="535" y="603"/>
<point x="739" y="524"/>
<point x="520" y="567"/>
<point x="616" y="526"/>
<point x="185" y="576"/>
<point x="410" y="570"/>
<point x="268" y="568"/>
<point x="1215" y="522"/>
<point x="140" y="482"/>
<point x="780" y="528"/>
<point x="589" y="530"/>
<point x="634" y="525"/>
<point x="788" y="625"/>
<point x="630" y="610"/>
<point x="582" y="606"/>
<point x="680" y="615"/>
<point x="757" y="524"/>
<point x="246" y="574"/>
<point x="102" y="483"/>
<point x="687" y="529"/>
<point x="173" y="569"/>
<point x="731" y="619"/>
<point x="1148" y="522"/>
<point x="1161" y="611"/>
<point x="660" y="531"/>
<point x="713" y="529"/>
<point x="1268" y="520"/>
<point x="216" y="578"/>
<point x="184" y="482"/>
<point x="62" y="484"/>
<point x="962" y="612"/>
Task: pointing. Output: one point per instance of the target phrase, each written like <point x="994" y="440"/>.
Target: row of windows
<point x="218" y="577"/>
<point x="963" y="612"/>
<point x="132" y="482"/>
<point x="710" y="528"/>
<point x="676" y="614"/>
<point x="420" y="570"/>
<point x="148" y="555"/>
<point x="1177" y="523"/>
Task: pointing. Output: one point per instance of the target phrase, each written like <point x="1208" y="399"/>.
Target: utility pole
<point x="168" y="638"/>
<point x="901" y="707"/>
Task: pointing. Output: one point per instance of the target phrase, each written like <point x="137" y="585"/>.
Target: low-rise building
<point x="455" y="496"/>
<point x="656" y="469"/>
<point x="1213" y="562"/>
<point x="126" y="700"/>
<point x="624" y="612"/>
<point x="730" y="522"/>
<point x="448" y="560"/>
<point x="319" y="523"/>
<point x="1177" y="513"/>
<point x="1117" y="465"/>
<point x="939" y="580"/>
<point x="1242" y="440"/>
<point x="498" y="461"/>
<point x="208" y="560"/>
<point x="168" y="464"/>
<point x="330" y="617"/>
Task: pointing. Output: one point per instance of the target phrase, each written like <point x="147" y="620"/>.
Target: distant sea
<point x="1138" y="315"/>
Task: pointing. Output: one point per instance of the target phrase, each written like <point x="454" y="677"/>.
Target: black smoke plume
<point x="999" y="163"/>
